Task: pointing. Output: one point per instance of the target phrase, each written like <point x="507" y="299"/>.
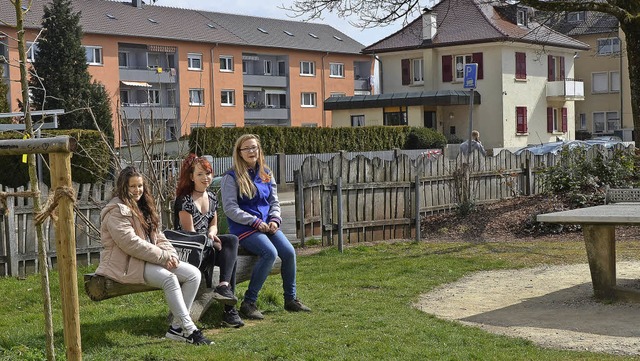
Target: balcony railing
<point x="567" y="89"/>
<point x="148" y="111"/>
<point x="265" y="81"/>
<point x="266" y="113"/>
<point x="149" y="75"/>
<point x="361" y="84"/>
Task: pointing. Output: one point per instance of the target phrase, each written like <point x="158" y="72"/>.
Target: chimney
<point x="137" y="3"/>
<point x="429" y="24"/>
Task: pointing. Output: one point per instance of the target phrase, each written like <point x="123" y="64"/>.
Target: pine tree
<point x="61" y="79"/>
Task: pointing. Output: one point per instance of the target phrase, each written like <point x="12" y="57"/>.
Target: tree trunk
<point x="631" y="30"/>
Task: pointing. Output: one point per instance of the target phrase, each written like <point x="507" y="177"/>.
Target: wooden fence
<point x="362" y="200"/>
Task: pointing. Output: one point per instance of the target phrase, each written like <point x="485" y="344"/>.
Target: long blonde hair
<point x="245" y="183"/>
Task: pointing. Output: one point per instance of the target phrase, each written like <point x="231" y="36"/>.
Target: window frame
<point x="311" y="97"/>
<point x="199" y="91"/>
<point x="603" y="81"/>
<point x="613" y="77"/>
<point x="156" y="93"/>
<point x="227" y="60"/>
<point x="126" y="59"/>
<point x="191" y="57"/>
<point x="360" y="120"/>
<point x="311" y="68"/>
<point x="267" y="67"/>
<point x="32" y="50"/>
<point x="608" y="49"/>
<point x="521" y="17"/>
<point x="605" y="120"/>
<point x="413" y="71"/>
<point x="94" y="50"/>
<point x="575" y="16"/>
<point x="522" y="127"/>
<point x="227" y="97"/>
<point x="339" y="67"/>
<point x="466" y="59"/>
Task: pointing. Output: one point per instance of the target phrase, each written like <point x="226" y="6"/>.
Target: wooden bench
<point x="622" y="195"/>
<point x="100" y="288"/>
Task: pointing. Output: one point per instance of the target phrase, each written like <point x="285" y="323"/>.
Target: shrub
<point x="424" y="138"/>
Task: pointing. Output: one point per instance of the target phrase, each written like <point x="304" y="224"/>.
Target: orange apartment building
<point x="176" y="69"/>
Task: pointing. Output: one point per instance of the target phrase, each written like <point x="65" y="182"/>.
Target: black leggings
<point x="227" y="259"/>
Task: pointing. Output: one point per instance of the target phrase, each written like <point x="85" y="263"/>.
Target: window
<point x="228" y="97"/>
<point x="226" y="63"/>
<point x="357" y="120"/>
<point x="395" y="116"/>
<point x="582" y="121"/>
<point x="124" y="97"/>
<point x="336" y="70"/>
<point x="307" y="68"/>
<point x="600" y="82"/>
<point x="245" y="66"/>
<point x="605" y="122"/>
<point x="614" y="81"/>
<point x="267" y="67"/>
<point x="337" y="95"/>
<point x="153" y="96"/>
<point x="154" y="60"/>
<point x="416" y="71"/>
<point x="522" y="17"/>
<point x="32" y="51"/>
<point x="94" y="55"/>
<point x="123" y="59"/>
<point x="557" y="120"/>
<point x="194" y="61"/>
<point x="521" y="120"/>
<point x="555" y="68"/>
<point x="521" y="66"/>
<point x="461" y="61"/>
<point x="308" y="100"/>
<point x="575" y="16"/>
<point x="196" y="97"/>
<point x="608" y="46"/>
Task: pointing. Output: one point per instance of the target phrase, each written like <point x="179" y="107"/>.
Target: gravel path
<point x="552" y="306"/>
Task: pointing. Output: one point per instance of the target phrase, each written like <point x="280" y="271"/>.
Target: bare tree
<point x="372" y="13"/>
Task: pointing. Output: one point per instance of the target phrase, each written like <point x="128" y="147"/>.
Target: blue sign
<point x="470" y="75"/>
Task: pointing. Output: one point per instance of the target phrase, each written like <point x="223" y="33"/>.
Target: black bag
<point x="194" y="248"/>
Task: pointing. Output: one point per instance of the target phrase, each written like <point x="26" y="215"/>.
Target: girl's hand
<point x="273" y="227"/>
<point x="172" y="263"/>
<point x="264" y="228"/>
<point x="217" y="244"/>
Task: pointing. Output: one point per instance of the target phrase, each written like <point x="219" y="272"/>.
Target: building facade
<point x="168" y="70"/>
<point x="525" y="93"/>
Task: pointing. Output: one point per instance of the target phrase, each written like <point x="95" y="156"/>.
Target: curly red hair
<point x="185" y="184"/>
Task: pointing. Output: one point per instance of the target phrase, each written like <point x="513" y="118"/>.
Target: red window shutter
<point x="521" y="66"/>
<point x="550" y="120"/>
<point x="477" y="58"/>
<point x="521" y="119"/>
<point x="447" y="75"/>
<point x="406" y="71"/>
<point x="551" y="68"/>
<point x="564" y="120"/>
<point x="562" y="75"/>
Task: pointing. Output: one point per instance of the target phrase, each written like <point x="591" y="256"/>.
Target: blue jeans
<point x="267" y="247"/>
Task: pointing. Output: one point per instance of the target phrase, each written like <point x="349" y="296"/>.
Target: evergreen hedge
<point x="89" y="164"/>
<point x="218" y="142"/>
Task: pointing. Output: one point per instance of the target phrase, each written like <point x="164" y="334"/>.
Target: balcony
<point x="147" y="111"/>
<point x="148" y="75"/>
<point x="266" y="113"/>
<point x="565" y="90"/>
<point x="361" y="84"/>
<point x="265" y="81"/>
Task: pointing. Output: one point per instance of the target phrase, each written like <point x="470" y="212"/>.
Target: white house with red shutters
<point x="525" y="90"/>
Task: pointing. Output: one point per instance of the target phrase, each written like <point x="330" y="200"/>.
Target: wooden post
<point x="66" y="255"/>
<point x="339" y="210"/>
<point x="299" y="187"/>
<point x="417" y="210"/>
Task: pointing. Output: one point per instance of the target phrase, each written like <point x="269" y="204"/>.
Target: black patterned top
<point x="200" y="221"/>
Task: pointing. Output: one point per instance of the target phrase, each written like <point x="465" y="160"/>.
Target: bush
<point x="424" y="138"/>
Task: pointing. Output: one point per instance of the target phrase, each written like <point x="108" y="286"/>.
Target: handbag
<point x="194" y="248"/>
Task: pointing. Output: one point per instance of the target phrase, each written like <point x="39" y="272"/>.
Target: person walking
<point x="250" y="202"/>
<point x="135" y="251"/>
<point x="469" y="147"/>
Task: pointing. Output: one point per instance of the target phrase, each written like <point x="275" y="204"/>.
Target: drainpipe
<point x="213" y="105"/>
<point x="323" y="91"/>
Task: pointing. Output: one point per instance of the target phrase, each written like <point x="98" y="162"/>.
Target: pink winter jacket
<point x="125" y="247"/>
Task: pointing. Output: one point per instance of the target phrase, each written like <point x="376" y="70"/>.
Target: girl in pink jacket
<point x="136" y="252"/>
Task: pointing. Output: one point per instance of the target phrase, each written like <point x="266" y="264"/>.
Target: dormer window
<point x="521" y="17"/>
<point x="575" y="16"/>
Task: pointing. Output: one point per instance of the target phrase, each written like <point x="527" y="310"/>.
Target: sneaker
<point x="250" y="311"/>
<point x="231" y="319"/>
<point x="197" y="338"/>
<point x="224" y="295"/>
<point x="175" y="334"/>
<point x="295" y="305"/>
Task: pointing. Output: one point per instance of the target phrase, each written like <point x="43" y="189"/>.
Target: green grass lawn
<point x="362" y="310"/>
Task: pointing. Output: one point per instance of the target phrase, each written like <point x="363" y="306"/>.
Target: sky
<point x="270" y="9"/>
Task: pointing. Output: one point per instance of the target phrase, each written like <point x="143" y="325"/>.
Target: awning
<point x="136" y="83"/>
<point x="431" y="98"/>
<point x="274" y="91"/>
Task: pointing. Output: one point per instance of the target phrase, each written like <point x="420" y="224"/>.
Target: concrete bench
<point x="100" y="288"/>
<point x="621" y="195"/>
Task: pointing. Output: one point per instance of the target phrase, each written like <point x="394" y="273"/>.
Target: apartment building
<point x="173" y="69"/>
<point x="526" y="91"/>
<point x="604" y="68"/>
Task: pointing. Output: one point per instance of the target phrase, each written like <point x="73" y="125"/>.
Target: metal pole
<point x="470" y="123"/>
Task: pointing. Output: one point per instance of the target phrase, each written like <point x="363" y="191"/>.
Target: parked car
<point x="555" y="147"/>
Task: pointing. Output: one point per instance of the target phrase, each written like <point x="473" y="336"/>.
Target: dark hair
<point x="145" y="208"/>
<point x="185" y="184"/>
